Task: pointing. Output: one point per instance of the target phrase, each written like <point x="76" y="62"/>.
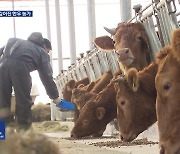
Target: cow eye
<point x="123" y="103"/>
<point x="167" y="86"/>
<point x="85" y="122"/>
<point x="139" y="38"/>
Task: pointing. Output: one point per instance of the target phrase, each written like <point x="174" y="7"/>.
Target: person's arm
<point x="45" y="73"/>
<point x="1" y="51"/>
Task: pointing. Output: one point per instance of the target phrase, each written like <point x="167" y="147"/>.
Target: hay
<point x="49" y="127"/>
<point x="41" y="112"/>
<point x="27" y="143"/>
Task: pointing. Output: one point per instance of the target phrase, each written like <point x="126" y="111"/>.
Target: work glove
<point x="56" y="100"/>
<point x="64" y="105"/>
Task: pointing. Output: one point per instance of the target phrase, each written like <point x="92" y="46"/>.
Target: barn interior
<point x="72" y="26"/>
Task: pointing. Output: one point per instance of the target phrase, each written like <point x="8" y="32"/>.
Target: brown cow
<point x="130" y="43"/>
<point x="136" y="99"/>
<point x="103" y="82"/>
<point x="70" y="85"/>
<point x="168" y="99"/>
<point x="96" y="114"/>
<point x="81" y="95"/>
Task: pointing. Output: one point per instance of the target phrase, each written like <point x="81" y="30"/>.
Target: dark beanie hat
<point x="36" y="37"/>
<point x="47" y="43"/>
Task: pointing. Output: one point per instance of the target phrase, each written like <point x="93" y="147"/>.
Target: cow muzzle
<point x="128" y="138"/>
<point x="73" y="135"/>
<point x="125" y="56"/>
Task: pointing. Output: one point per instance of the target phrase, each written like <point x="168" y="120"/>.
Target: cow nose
<point x="122" y="138"/>
<point x="72" y="135"/>
<point x="123" y="51"/>
<point x="162" y="150"/>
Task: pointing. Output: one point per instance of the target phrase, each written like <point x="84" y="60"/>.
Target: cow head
<point x="96" y="114"/>
<point x="90" y="121"/>
<point x="67" y="90"/>
<point x="135" y="104"/>
<point x="80" y="96"/>
<point x="168" y="99"/>
<point x="130" y="43"/>
<point x="70" y="85"/>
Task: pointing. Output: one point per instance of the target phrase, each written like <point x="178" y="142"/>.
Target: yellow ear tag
<point x="133" y="85"/>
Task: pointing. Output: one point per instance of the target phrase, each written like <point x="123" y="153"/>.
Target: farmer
<point x="17" y="59"/>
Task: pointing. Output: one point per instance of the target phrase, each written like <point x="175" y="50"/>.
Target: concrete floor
<point x="84" y="146"/>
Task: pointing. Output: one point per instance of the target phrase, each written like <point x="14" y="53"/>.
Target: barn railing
<point x="92" y="65"/>
<point x="159" y="19"/>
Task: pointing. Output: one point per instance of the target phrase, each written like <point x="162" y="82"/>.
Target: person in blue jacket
<point x="17" y="59"/>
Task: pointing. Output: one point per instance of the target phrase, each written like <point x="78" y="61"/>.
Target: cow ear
<point x="80" y="86"/>
<point x="104" y="43"/>
<point x="175" y="42"/>
<point x="100" y="112"/>
<point x="132" y="79"/>
<point x="71" y="85"/>
<point x="116" y="87"/>
<point x="90" y="86"/>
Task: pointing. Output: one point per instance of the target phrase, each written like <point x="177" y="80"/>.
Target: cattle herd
<point x="144" y="91"/>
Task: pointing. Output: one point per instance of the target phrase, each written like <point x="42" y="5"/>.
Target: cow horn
<point x="112" y="31"/>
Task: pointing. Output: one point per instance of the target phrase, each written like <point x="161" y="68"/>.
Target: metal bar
<point x="91" y="22"/>
<point x="48" y="27"/>
<point x="14" y="21"/>
<point x="125" y="10"/>
<point x="72" y="37"/>
<point x="153" y="39"/>
<point x="102" y="61"/>
<point x="172" y="15"/>
<point x="167" y="22"/>
<point x="59" y="42"/>
<point x="167" y="39"/>
<point x="162" y="26"/>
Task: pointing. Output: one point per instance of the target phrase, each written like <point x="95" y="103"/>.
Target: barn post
<point x="125" y="10"/>
<point x="91" y="22"/>
<point x="72" y="37"/>
<point x="48" y="26"/>
<point x="14" y="21"/>
<point x="59" y="42"/>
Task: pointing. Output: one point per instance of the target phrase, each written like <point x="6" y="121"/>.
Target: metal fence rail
<point x="159" y="19"/>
